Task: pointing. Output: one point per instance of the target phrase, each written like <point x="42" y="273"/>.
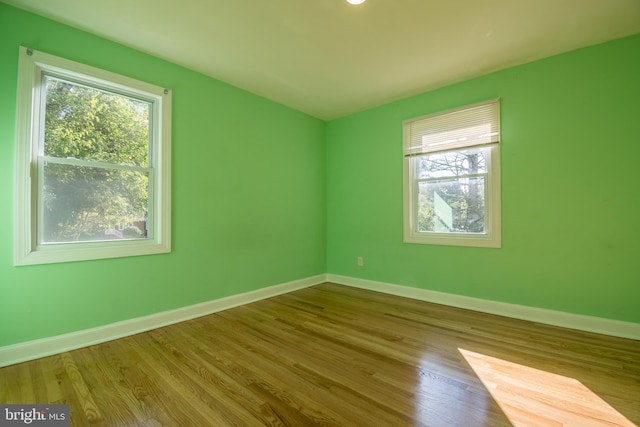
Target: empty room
<point x="320" y="213"/>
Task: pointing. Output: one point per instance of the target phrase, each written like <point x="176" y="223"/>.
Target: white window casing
<point x="471" y="128"/>
<point x="29" y="247"/>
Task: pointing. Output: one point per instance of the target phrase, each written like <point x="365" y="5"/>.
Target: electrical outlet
<point x="360" y="261"/>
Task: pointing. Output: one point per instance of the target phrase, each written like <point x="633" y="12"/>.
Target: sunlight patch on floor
<point x="533" y="397"/>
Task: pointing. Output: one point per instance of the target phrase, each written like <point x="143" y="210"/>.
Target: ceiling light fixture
<point x="355" y="1"/>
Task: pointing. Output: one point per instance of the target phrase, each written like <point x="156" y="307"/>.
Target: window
<point x="93" y="153"/>
<point x="452" y="177"/>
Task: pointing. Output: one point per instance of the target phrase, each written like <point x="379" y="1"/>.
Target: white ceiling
<point x="328" y="58"/>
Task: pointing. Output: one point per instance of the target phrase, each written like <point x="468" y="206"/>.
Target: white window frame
<point x="446" y="123"/>
<point x="27" y="250"/>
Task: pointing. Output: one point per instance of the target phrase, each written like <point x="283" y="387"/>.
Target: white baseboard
<point x="36" y="349"/>
<point x="580" y="322"/>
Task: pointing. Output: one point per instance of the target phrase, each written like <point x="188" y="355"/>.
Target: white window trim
<point x="26" y="249"/>
<point x="492" y="238"/>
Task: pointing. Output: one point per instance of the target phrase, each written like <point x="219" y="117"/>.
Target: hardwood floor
<point x="331" y="355"/>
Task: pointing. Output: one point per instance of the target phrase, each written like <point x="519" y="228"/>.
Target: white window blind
<point x="478" y="124"/>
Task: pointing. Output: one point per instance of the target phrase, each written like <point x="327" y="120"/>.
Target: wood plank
<point x="341" y="356"/>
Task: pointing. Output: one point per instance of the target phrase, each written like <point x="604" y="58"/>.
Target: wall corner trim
<point x="30" y="350"/>
<point x="578" y="322"/>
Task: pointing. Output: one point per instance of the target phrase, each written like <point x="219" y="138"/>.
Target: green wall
<point x="305" y="197"/>
<point x="570" y="193"/>
<point x="248" y="201"/>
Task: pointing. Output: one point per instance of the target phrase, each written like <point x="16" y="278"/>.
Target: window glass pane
<point x="453" y="163"/>
<point x="81" y="203"/>
<point x="452" y="205"/>
<point x="91" y="124"/>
